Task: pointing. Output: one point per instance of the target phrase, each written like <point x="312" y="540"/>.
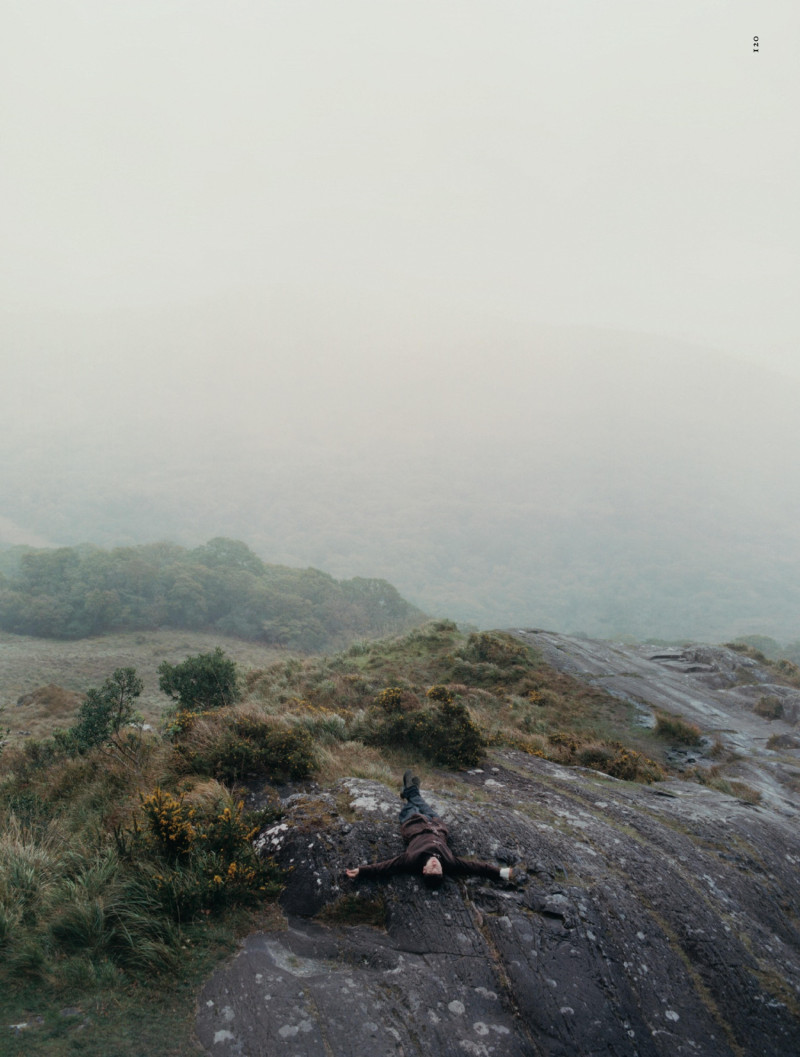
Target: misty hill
<point x="579" y="479"/>
<point x="75" y="592"/>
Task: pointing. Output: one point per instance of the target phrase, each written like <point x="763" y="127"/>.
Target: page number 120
<point x="755" y="43"/>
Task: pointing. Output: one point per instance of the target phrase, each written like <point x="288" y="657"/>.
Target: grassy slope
<point x="28" y="663"/>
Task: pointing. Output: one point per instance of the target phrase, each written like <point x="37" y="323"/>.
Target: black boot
<point x="410" y="781"/>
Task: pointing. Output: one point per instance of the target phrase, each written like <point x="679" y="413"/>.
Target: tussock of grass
<point x="609" y="757"/>
<point x="769" y="706"/>
<point x="354" y="759"/>
<point x="715" y="778"/>
<point x="741" y="790"/>
<point x="677" y="729"/>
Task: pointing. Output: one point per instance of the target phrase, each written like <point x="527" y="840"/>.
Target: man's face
<point x="432" y="867"/>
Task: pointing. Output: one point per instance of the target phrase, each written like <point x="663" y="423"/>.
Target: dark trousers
<point x="414" y="805"/>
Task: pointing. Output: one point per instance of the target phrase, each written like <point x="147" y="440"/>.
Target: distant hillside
<point x="574" y="479"/>
<point x="75" y="592"/>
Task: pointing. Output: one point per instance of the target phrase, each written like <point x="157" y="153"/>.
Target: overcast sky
<point x="630" y="164"/>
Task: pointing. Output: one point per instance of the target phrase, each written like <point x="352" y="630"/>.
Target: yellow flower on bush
<point x="169" y="821"/>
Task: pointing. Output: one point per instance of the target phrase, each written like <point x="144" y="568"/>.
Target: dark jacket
<point x="425" y="837"/>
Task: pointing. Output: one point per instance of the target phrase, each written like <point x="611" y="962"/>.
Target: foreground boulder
<point x="643" y="920"/>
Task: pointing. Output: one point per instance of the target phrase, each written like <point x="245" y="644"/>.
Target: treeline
<point x="77" y="592"/>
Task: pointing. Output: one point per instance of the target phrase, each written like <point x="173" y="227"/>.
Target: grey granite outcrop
<point x="655" y="920"/>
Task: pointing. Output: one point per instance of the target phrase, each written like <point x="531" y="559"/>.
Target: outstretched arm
<point x="379" y="869"/>
<point x="485" y="869"/>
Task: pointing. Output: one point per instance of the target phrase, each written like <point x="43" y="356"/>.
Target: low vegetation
<point x="782" y="662"/>
<point x="715" y="778"/>
<point x="769" y="706"/>
<point x="677" y="730"/>
<point x="443" y="697"/>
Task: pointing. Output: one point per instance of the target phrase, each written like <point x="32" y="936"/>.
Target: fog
<point x="497" y="301"/>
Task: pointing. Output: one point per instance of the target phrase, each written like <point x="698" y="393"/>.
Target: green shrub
<point x="475" y="674"/>
<point x="597" y="757"/>
<point x="205" y="681"/>
<point x="458" y="741"/>
<point x="289" y="754"/>
<point x="788" y="668"/>
<point x="39" y="753"/>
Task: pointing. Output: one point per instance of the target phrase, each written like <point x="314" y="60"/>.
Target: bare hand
<point x="352" y="873"/>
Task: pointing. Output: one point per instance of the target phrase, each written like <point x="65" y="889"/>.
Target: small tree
<point x="104" y="715"/>
<point x="205" y="681"/>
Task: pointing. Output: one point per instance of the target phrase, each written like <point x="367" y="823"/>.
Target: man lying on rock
<point x="427" y="852"/>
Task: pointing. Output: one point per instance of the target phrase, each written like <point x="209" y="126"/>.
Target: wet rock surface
<point x="643" y="920"/>
<point x="713" y="686"/>
<point x="641" y="924"/>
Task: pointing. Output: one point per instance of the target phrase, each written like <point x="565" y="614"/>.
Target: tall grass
<point x="63" y="902"/>
<point x="677" y="729"/>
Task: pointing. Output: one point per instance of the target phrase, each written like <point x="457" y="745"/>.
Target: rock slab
<point x="645" y="924"/>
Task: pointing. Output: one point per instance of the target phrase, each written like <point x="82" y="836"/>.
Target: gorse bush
<point x="395" y="699"/>
<point x="445" y="734"/>
<point x="197" y="861"/>
<point x="170" y="823"/>
<point x="633" y="766"/>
